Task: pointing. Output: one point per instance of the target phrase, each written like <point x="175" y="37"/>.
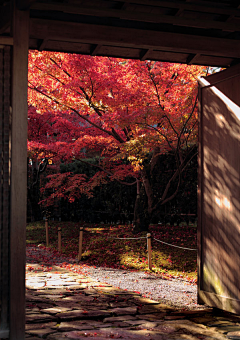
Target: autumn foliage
<point x="125" y="113"/>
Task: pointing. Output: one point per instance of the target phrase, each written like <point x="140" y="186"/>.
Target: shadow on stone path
<point x="63" y="305"/>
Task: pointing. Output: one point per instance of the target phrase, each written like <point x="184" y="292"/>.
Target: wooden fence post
<point x="47" y="233"/>
<point x="59" y="239"/>
<point x="80" y="243"/>
<point x="149" y="247"/>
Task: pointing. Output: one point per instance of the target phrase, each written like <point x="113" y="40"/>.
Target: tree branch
<point x="110" y="133"/>
<point x="180" y="169"/>
<point x="106" y="171"/>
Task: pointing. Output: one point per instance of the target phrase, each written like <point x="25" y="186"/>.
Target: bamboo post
<point x="149" y="247"/>
<point x="59" y="239"/>
<point x="80" y="243"/>
<point x="47" y="232"/>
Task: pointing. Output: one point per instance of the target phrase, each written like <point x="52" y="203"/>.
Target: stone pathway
<point x="62" y="305"/>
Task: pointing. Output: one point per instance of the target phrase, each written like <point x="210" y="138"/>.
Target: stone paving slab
<point x="61" y="305"/>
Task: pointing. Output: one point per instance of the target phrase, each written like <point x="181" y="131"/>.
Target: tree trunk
<point x="34" y="209"/>
<point x="141" y="215"/>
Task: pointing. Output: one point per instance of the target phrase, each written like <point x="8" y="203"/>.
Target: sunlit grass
<point x="101" y="246"/>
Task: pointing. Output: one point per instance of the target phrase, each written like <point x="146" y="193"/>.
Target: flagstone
<point x="114" y="291"/>
<point x="35" y="285"/>
<point x="60" y="283"/>
<point x="74" y="314"/>
<point x="141" y="300"/>
<point x="234" y="334"/>
<point x="42" y="306"/>
<point x="80" y="298"/>
<point x="33" y="298"/>
<point x="119" y="318"/>
<point x="55" y="310"/>
<point x="32" y="311"/>
<point x="203" y="319"/>
<point x="93" y="305"/>
<point x="73" y="306"/>
<point x="114" y="333"/>
<point x="30" y="326"/>
<point x="193" y="313"/>
<point x="98" y="324"/>
<point x="122" y="311"/>
<point x="102" y="284"/>
<point x="90" y="291"/>
<point x="69" y="305"/>
<point x="70" y="326"/>
<point x="52" y="297"/>
<point x="121" y="324"/>
<point x="42" y="332"/>
<point x="146" y="309"/>
<point x="144" y="323"/>
<point x="54" y="291"/>
<point x="39" y="318"/>
<point x="186" y="326"/>
<point x="152" y="317"/>
<point x="228" y="329"/>
<point x="221" y="323"/>
<point x="163" y="328"/>
<point x="174" y="317"/>
<point x="118" y="304"/>
<point x="66" y="336"/>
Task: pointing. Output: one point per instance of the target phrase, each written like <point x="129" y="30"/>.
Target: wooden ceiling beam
<point x="6" y="40"/>
<point x="24" y="4"/>
<point x="5" y="17"/>
<point x="133" y="38"/>
<point x="205" y="8"/>
<point x="137" y="16"/>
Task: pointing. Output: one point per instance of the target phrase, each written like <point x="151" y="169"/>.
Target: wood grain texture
<point x="18" y="174"/>
<point x="132" y="38"/>
<point x="219" y="191"/>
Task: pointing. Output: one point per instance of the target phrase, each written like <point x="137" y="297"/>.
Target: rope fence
<point x="148" y="237"/>
<point x="127" y="238"/>
<point x="172" y="245"/>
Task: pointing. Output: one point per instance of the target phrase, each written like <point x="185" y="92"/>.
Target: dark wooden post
<point x="47" y="232"/>
<point x="80" y="243"/>
<point x="149" y="247"/>
<point x="59" y="239"/>
<point x="18" y="199"/>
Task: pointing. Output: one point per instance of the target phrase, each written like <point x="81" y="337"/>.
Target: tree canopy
<point x="124" y="112"/>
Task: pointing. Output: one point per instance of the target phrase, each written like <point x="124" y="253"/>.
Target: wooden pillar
<point x="5" y="103"/>
<point x="18" y="182"/>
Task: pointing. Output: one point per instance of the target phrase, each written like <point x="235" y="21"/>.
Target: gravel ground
<point x="174" y="292"/>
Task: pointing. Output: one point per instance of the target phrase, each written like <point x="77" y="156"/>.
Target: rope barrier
<point x="138" y="238"/>
<point x="148" y="238"/>
<point x="173" y="245"/>
<point x="126" y="238"/>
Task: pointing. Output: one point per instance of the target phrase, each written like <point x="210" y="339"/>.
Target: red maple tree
<point x="126" y="112"/>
